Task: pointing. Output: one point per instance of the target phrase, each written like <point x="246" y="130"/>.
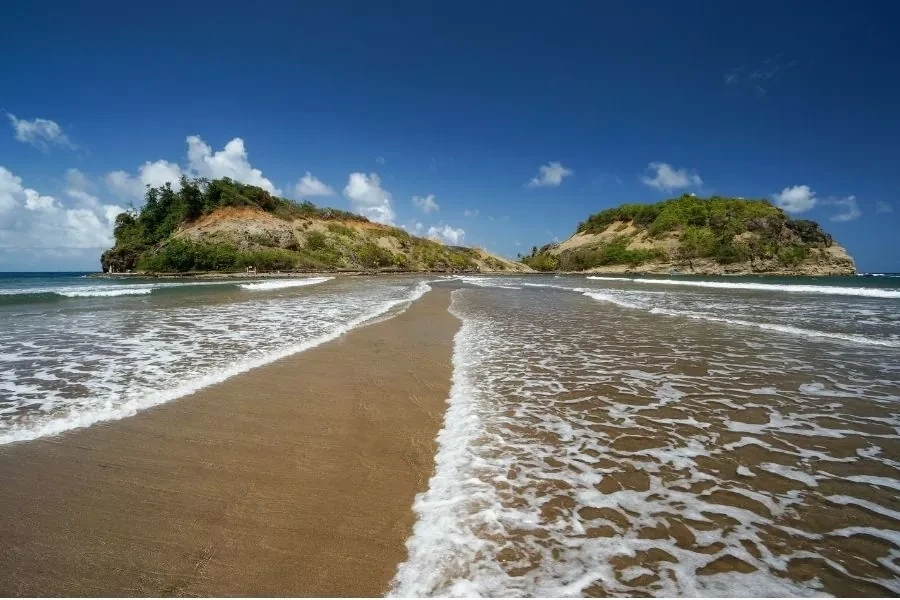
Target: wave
<point x="156" y="397"/>
<point x="788" y="329"/>
<point x="121" y="290"/>
<point x="25" y="295"/>
<point x="278" y="284"/>
<point x="602" y="297"/>
<point x="831" y="290"/>
<point x="438" y="532"/>
<point x="485" y="282"/>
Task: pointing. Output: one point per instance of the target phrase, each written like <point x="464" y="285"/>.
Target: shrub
<point x="186" y="255"/>
<point x="542" y="262"/>
<point x="793" y="255"/>
<point x="373" y="256"/>
<point x="316" y="240"/>
<point x="338" y="229"/>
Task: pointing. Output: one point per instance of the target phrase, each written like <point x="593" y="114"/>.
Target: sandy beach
<point x="296" y="478"/>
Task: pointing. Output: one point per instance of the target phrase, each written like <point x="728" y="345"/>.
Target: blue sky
<point x="463" y="101"/>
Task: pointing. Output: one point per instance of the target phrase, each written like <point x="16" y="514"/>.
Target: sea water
<point x="646" y="436"/>
<point x="603" y="436"/>
<point x="75" y="350"/>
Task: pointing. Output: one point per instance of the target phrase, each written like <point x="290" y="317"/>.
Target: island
<point x="693" y="235"/>
<point x="221" y="225"/>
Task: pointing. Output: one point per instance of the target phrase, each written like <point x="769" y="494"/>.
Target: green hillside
<point x="695" y="234"/>
<point x="223" y="225"/>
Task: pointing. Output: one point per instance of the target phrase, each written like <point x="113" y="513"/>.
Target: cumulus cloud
<point x="426" y="204"/>
<point x="368" y="198"/>
<point x="413" y="226"/>
<point x="446" y="234"/>
<point x="153" y="174"/>
<point x="310" y="186"/>
<point x="471" y="212"/>
<point x="33" y="221"/>
<point x="849" y="208"/>
<point x="883" y="207"/>
<point x="667" y="178"/>
<point x="232" y="161"/>
<point x="40" y="133"/>
<point x="550" y="175"/>
<point x="796" y="199"/>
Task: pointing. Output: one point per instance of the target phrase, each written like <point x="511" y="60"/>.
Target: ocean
<point x="76" y="350"/>
<point x="603" y="436"/>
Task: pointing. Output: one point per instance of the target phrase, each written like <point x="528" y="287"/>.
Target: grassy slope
<point x="714" y="235"/>
<point x="223" y="225"/>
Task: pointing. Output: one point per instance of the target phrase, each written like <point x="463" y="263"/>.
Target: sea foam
<point x="570" y="439"/>
<point x="278" y="284"/>
<point x="216" y="351"/>
<point x="765" y="287"/>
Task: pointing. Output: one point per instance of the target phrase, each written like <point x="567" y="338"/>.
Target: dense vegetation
<point x="725" y="230"/>
<point x="146" y="240"/>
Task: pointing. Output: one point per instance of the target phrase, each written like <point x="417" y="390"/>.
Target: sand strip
<point x="296" y="478"/>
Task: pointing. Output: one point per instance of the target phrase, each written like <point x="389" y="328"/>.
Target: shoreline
<point x="295" y="478"/>
<point x="338" y="274"/>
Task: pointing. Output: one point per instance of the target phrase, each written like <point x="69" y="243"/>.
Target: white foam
<point x="119" y="290"/>
<point x="87" y="413"/>
<point x="277" y="284"/>
<point x="745" y="472"/>
<point x="608" y="297"/>
<point x="488" y="282"/>
<point x="887" y="482"/>
<point x="790" y="473"/>
<point x="788" y="329"/>
<point x="870" y="506"/>
<point x="490" y="523"/>
<point x="107" y="291"/>
<point x="832" y="290"/>
<point x="84" y="291"/>
<point x="618" y="298"/>
<point x="438" y="533"/>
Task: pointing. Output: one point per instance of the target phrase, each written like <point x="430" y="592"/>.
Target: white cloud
<point x="40" y="133"/>
<point x="77" y="180"/>
<point x="368" y="198"/>
<point x="796" y="199"/>
<point x="413" y="226"/>
<point x="667" y="178"/>
<point x="154" y="174"/>
<point x="31" y="221"/>
<point x="202" y="162"/>
<point x="379" y="160"/>
<point x="427" y="204"/>
<point x="883" y="207"/>
<point x="550" y="175"/>
<point x="310" y="186"/>
<point x="229" y="162"/>
<point x="849" y="208"/>
<point x="447" y="234"/>
<point x="471" y="213"/>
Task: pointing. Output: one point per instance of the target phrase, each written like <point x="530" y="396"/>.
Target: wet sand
<point x="296" y="478"/>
